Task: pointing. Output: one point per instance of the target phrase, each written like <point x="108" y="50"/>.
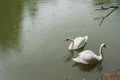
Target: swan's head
<point x="68" y="39"/>
<point x="103" y="45"/>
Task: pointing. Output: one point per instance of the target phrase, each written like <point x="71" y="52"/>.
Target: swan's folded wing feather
<point x="87" y="55"/>
<point x="79" y="42"/>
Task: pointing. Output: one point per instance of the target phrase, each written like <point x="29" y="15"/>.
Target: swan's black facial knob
<point x="104" y="45"/>
<point x="67" y="39"/>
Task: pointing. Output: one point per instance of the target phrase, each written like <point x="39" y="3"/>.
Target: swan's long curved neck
<point x="100" y="57"/>
<point x="71" y="40"/>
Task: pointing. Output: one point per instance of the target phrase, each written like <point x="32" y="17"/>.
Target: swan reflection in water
<point x="88" y="67"/>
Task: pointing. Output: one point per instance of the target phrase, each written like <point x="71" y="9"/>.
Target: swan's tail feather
<point x="86" y="38"/>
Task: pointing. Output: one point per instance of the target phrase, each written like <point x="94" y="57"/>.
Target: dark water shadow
<point x="10" y="28"/>
<point x="89" y="67"/>
<point x="70" y="56"/>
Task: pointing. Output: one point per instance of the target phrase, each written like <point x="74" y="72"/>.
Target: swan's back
<point x="87" y="52"/>
<point x="78" y="43"/>
<point x="87" y="55"/>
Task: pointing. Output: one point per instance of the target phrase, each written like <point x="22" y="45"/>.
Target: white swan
<point x="77" y="42"/>
<point x="89" y="57"/>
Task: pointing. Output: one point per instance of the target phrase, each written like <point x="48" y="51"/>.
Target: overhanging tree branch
<point x="104" y="17"/>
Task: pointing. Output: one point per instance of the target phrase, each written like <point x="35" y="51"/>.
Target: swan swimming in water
<point x="77" y="42"/>
<point x="89" y="57"/>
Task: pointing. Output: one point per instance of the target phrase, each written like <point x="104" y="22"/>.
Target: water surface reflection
<point x="32" y="37"/>
<point x="10" y="28"/>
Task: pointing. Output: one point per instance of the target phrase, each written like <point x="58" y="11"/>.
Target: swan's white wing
<point x="87" y="55"/>
<point x="79" y="42"/>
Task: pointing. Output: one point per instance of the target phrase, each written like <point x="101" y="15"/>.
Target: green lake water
<point x="32" y="34"/>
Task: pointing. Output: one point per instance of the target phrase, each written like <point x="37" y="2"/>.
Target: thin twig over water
<point x="103" y="8"/>
<point x="104" y="17"/>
